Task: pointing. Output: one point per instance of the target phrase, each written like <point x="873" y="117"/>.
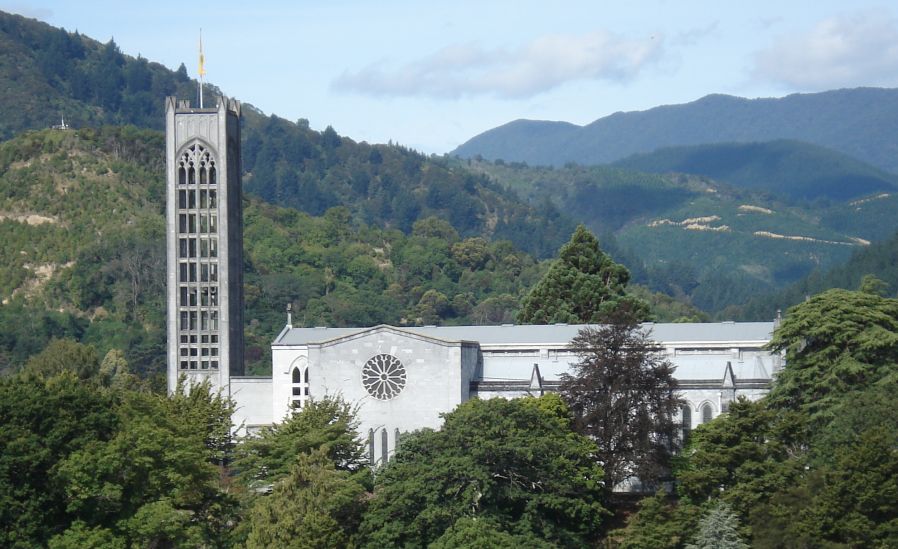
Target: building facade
<point x="204" y="233"/>
<point x="401" y="379"/>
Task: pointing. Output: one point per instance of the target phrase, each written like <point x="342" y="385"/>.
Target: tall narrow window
<point x="182" y="176"/>
<point x="371" y="446"/>
<point x="383" y="446"/>
<point x="299" y="378"/>
<point x="686" y="422"/>
<point x="191" y="175"/>
<point x="707" y="413"/>
<point x="212" y="175"/>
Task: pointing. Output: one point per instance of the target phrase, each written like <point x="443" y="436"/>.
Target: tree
<point x="718" y="529"/>
<point x="316" y="505"/>
<point x="623" y="395"/>
<point x="743" y="456"/>
<point x="63" y="355"/>
<point x="44" y="420"/>
<point x="583" y="285"/>
<point x="835" y="342"/>
<point x="328" y="424"/>
<point x="515" y="463"/>
<point x="660" y="523"/>
<point x="482" y="533"/>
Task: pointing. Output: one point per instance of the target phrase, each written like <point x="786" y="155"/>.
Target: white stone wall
<point x="434" y="383"/>
<point x="252" y="395"/>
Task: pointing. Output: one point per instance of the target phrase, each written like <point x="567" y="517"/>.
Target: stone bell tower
<point x="204" y="239"/>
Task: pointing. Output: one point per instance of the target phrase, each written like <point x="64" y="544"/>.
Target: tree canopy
<point x="835" y="342"/>
<point x="583" y="285"/>
<point x="623" y="395"/>
<point x="515" y="463"/>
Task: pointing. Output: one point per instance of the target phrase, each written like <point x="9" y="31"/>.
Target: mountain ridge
<point x="854" y="121"/>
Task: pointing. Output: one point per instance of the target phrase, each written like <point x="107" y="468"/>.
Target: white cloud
<point x="545" y="63"/>
<point x="859" y="49"/>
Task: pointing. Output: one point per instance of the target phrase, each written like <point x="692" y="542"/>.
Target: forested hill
<point x="857" y="122"/>
<point x="82" y="255"/>
<point x="790" y="169"/>
<point x="50" y="73"/>
<point x="879" y="260"/>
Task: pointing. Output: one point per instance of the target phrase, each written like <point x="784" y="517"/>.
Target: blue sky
<point x="430" y="75"/>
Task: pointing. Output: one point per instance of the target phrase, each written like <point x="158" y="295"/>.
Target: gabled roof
<point x="711" y="333"/>
<point x="332" y="336"/>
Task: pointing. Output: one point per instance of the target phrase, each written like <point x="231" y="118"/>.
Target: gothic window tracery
<point x="383" y="376"/>
<point x="197" y="206"/>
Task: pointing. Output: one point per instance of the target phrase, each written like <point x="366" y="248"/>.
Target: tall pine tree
<point x="583" y="285"/>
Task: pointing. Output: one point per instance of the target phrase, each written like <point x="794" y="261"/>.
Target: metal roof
<point x="553" y="334"/>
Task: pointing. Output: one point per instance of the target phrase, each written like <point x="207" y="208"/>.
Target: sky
<point x="432" y="74"/>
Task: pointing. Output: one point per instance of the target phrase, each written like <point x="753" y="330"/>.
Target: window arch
<point x="299" y="382"/>
<point x="707" y="413"/>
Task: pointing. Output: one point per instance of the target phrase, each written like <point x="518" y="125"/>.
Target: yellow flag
<point x="202" y="70"/>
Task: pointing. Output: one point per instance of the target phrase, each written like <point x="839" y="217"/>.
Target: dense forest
<point x="91" y="457"/>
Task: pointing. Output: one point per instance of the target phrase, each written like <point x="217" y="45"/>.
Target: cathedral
<point x="400" y="378"/>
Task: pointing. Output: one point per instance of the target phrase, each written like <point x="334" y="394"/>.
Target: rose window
<point x="383" y="376"/>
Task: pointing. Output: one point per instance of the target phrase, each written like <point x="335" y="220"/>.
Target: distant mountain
<point x="709" y="242"/>
<point x="787" y="168"/>
<point x="858" y="122"/>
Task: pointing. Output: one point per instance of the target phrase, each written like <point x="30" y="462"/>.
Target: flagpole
<point x="202" y="68"/>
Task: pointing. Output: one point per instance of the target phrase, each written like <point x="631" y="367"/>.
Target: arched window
<point x="371" y="447"/>
<point x="299" y="383"/>
<point x="707" y="413"/>
<point x="383" y="446"/>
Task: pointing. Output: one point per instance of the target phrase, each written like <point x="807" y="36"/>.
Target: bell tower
<point x="204" y="240"/>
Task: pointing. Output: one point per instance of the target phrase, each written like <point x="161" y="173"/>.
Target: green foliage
<point x="583" y="285"/>
<point x="96" y="460"/>
<point x="63" y="355"/>
<point x="106" y="273"/>
<point x="483" y="533"/>
<point x="623" y="396"/>
<point x="878" y="260"/>
<point x="702" y="241"/>
<point x="718" y="529"/>
<point x="328" y="424"/>
<point x="742" y="456"/>
<point x="45" y="421"/>
<point x="835" y="342"/>
<point x="790" y="168"/>
<point x="515" y="463"/>
<point x="660" y="523"/>
<point x="315" y="506"/>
